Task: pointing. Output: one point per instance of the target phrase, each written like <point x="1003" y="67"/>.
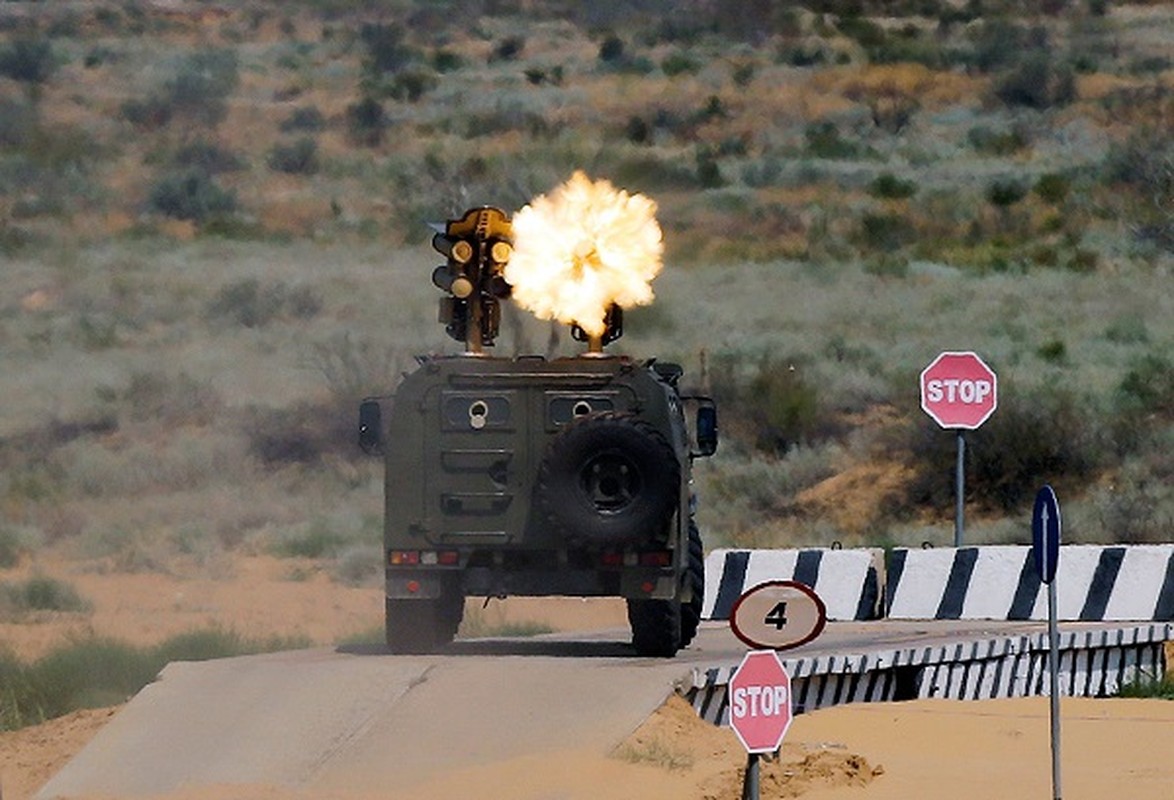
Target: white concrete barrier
<point x="848" y="581"/>
<point x="1093" y="582"/>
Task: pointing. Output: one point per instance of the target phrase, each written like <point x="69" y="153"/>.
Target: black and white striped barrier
<point x="848" y="581"/>
<point x="1093" y="582"/>
<point x="1092" y="663"/>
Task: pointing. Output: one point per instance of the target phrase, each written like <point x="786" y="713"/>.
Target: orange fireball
<point x="583" y="247"/>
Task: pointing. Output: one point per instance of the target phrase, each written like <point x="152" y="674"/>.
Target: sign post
<point x="958" y="390"/>
<point x="777" y="615"/>
<point x="1045" y="551"/>
<point x="760" y="710"/>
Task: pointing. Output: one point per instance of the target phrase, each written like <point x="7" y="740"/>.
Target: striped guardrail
<point x="848" y="581"/>
<point x="1093" y="582"/>
<point x="1092" y="663"/>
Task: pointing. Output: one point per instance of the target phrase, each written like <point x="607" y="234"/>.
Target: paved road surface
<point x="362" y="720"/>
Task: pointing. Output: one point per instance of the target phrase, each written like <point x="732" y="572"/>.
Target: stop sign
<point x="760" y="701"/>
<point x="958" y="390"/>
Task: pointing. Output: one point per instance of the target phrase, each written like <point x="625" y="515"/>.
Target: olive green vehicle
<point x="535" y="477"/>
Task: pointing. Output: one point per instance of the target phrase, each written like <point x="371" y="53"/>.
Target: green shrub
<point x="1037" y="82"/>
<point x="97" y="671"/>
<point x="886" y="232"/>
<point x="1054" y="351"/>
<point x="679" y="63"/>
<point x="994" y="143"/>
<point x="192" y="195"/>
<point x="366" y="122"/>
<point x="611" y="50"/>
<point x="1004" y="193"/>
<point x="508" y="49"/>
<point x="1037" y="436"/>
<point x="386" y="49"/>
<point x="246" y="303"/>
<point x="299" y="157"/>
<point x="411" y="85"/>
<point x="305" y="118"/>
<point x="207" y="157"/>
<point x="12" y="547"/>
<point x="1052" y="187"/>
<point x="824" y="141"/>
<point x="197" y="92"/>
<point x="890" y="187"/>
<point x="27" y="60"/>
<point x="317" y="540"/>
<point x="446" y="61"/>
<point x="40" y="593"/>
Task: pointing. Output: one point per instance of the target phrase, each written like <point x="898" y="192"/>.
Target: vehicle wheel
<point x="423" y="626"/>
<point x="656" y="627"/>
<point x="695" y="576"/>
<point x="609" y="479"/>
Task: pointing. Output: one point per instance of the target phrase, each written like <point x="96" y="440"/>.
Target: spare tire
<point x="609" y="479"/>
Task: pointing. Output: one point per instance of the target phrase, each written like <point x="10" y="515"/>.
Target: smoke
<point x="581" y="248"/>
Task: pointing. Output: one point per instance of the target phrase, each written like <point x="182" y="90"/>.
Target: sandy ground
<point x="969" y="751"/>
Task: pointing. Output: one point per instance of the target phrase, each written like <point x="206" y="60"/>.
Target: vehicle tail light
<point x="657" y="558"/>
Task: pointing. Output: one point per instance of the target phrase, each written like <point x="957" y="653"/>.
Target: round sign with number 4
<point x="778" y="615"/>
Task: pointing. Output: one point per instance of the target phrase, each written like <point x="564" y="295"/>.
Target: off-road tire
<point x="662" y="627"/>
<point x="608" y="479"/>
<point x="656" y="627"/>
<point x="422" y="626"/>
<point x="695" y="578"/>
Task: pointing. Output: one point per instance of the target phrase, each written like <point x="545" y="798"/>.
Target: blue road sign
<point x="1045" y="533"/>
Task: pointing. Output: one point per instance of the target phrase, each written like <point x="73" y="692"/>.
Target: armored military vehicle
<point x="532" y="476"/>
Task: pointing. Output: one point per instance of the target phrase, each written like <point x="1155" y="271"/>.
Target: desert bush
<point x="444" y="60"/>
<point x="168" y="399"/>
<point x="303" y="433"/>
<point x="192" y="195"/>
<point x="306" y="118"/>
<point x="355" y="368"/>
<point x="299" y="157"/>
<point x="999" y="43"/>
<point x="1004" y="193"/>
<point x="998" y="143"/>
<point x="13" y="546"/>
<point x="1137" y="507"/>
<point x="39" y="593"/>
<point x="28" y="60"/>
<point x="1039" y="435"/>
<point x="99" y="671"/>
<point x="825" y="141"/>
<point x="366" y="122"/>
<point x="611" y="49"/>
<point x="207" y="157"/>
<point x="888" y="186"/>
<point x="1145" y="165"/>
<point x="386" y="48"/>
<point x="411" y="85"/>
<point x="886" y="232"/>
<point x="318" y="539"/>
<point x="1037" y="82"/>
<point x="1052" y="187"/>
<point x="679" y="63"/>
<point x="247" y="303"/>
<point x="197" y="92"/>
<point x="508" y="49"/>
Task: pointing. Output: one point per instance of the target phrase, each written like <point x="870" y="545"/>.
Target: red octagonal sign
<point x="959" y="390"/>
<point x="760" y="701"/>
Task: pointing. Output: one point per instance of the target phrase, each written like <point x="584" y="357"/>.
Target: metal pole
<point x="1054" y="670"/>
<point x="750" y="783"/>
<point x="959" y="488"/>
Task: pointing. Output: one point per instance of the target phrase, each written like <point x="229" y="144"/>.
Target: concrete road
<point x="361" y="720"/>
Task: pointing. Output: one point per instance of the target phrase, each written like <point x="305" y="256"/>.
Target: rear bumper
<point x="629" y="582"/>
